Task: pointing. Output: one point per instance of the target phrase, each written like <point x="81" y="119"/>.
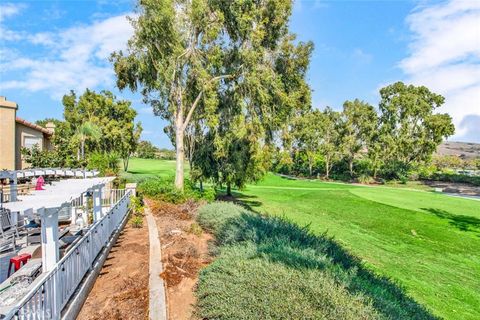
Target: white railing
<point x="5" y="197"/>
<point x="54" y="289"/>
<point x="116" y="194"/>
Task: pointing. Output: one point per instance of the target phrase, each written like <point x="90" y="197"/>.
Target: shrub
<point x="454" y="177"/>
<point x="163" y="189"/>
<point x="365" y="179"/>
<point x="38" y="158"/>
<point x="214" y="216"/>
<point x="270" y="268"/>
<point x="394" y="170"/>
<point x="136" y="204"/>
<point x="242" y="284"/>
<point x="136" y="221"/>
<point x="195" y="229"/>
<point x="340" y="176"/>
<point x="106" y="163"/>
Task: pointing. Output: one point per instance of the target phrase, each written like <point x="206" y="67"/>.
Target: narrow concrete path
<point x="157" y="298"/>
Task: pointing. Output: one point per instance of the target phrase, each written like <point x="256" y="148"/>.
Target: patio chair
<point x="7" y="245"/>
<point x="34" y="236"/>
<point x="7" y="228"/>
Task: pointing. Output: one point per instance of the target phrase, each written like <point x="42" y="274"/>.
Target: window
<point x="29" y="142"/>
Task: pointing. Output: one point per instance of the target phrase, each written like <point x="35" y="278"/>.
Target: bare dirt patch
<point x="121" y="290"/>
<point x="455" y="188"/>
<point x="184" y="253"/>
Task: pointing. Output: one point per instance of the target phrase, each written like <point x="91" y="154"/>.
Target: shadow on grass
<point x="461" y="222"/>
<point x="242" y="200"/>
<point x="247" y="201"/>
<point x="284" y="242"/>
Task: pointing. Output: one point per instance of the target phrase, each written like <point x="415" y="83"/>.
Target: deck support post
<point x="13" y="186"/>
<point x="73" y="215"/>
<point x="97" y="202"/>
<point x="85" y="209"/>
<point x="50" y="248"/>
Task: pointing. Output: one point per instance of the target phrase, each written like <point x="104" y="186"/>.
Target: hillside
<point x="463" y="149"/>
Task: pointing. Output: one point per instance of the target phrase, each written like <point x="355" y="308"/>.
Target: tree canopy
<point x="404" y="133"/>
<point x="112" y="121"/>
<point x="409" y="129"/>
<point x="186" y="57"/>
<point x="146" y="150"/>
<point x="93" y="123"/>
<point x="358" y="123"/>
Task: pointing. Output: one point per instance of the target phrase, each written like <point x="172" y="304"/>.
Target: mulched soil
<point x="184" y="253"/>
<point x="121" y="290"/>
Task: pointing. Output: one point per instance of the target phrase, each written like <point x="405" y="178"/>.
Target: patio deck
<point x="62" y="264"/>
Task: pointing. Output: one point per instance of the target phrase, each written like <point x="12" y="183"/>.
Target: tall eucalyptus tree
<point x="185" y="55"/>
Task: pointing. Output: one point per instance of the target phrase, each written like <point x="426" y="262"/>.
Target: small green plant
<point x="195" y="229"/>
<point x="136" y="203"/>
<point x="365" y="179"/>
<point x="136" y="221"/>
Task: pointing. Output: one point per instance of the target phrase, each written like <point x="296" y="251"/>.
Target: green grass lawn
<point x="140" y="169"/>
<point x="429" y="243"/>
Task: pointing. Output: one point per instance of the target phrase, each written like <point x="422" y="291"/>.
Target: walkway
<point x="157" y="298"/>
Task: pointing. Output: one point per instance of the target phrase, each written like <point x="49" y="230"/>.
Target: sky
<point x="48" y="48"/>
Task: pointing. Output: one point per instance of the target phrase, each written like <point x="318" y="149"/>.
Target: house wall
<point x="8" y="111"/>
<point x="24" y="137"/>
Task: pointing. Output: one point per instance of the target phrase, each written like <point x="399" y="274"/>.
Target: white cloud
<point x="8" y="10"/>
<point x="445" y="56"/>
<point x="74" y="58"/>
<point x="42" y="38"/>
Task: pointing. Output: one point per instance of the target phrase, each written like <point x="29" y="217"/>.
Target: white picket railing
<point x="116" y="194"/>
<point x="5" y="197"/>
<point x="54" y="289"/>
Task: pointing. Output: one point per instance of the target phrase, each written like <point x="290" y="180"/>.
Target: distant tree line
<point x="360" y="141"/>
<point x="146" y="150"/>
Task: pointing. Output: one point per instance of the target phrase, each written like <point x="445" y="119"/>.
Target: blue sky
<point x="50" y="47"/>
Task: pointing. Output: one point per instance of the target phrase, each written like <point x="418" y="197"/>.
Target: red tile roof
<point x="33" y="126"/>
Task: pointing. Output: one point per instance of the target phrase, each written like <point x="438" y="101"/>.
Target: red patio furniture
<point x="40" y="183"/>
<point x="18" y="262"/>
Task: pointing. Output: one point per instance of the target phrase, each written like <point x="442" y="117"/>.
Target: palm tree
<point x="87" y="131"/>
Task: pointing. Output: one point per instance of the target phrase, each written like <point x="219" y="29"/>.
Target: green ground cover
<point x="429" y="243"/>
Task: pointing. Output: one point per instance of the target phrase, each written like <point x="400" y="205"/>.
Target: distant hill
<point x="466" y="150"/>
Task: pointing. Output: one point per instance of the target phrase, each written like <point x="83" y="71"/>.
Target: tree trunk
<point x="350" y="165"/>
<point x="180" y="153"/>
<point x="83" y="149"/>
<point x="229" y="189"/>
<point x="201" y="185"/>
<point x="327" y="168"/>
<point x="125" y="163"/>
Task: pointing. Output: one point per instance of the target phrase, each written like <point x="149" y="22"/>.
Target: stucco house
<point x="17" y="133"/>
